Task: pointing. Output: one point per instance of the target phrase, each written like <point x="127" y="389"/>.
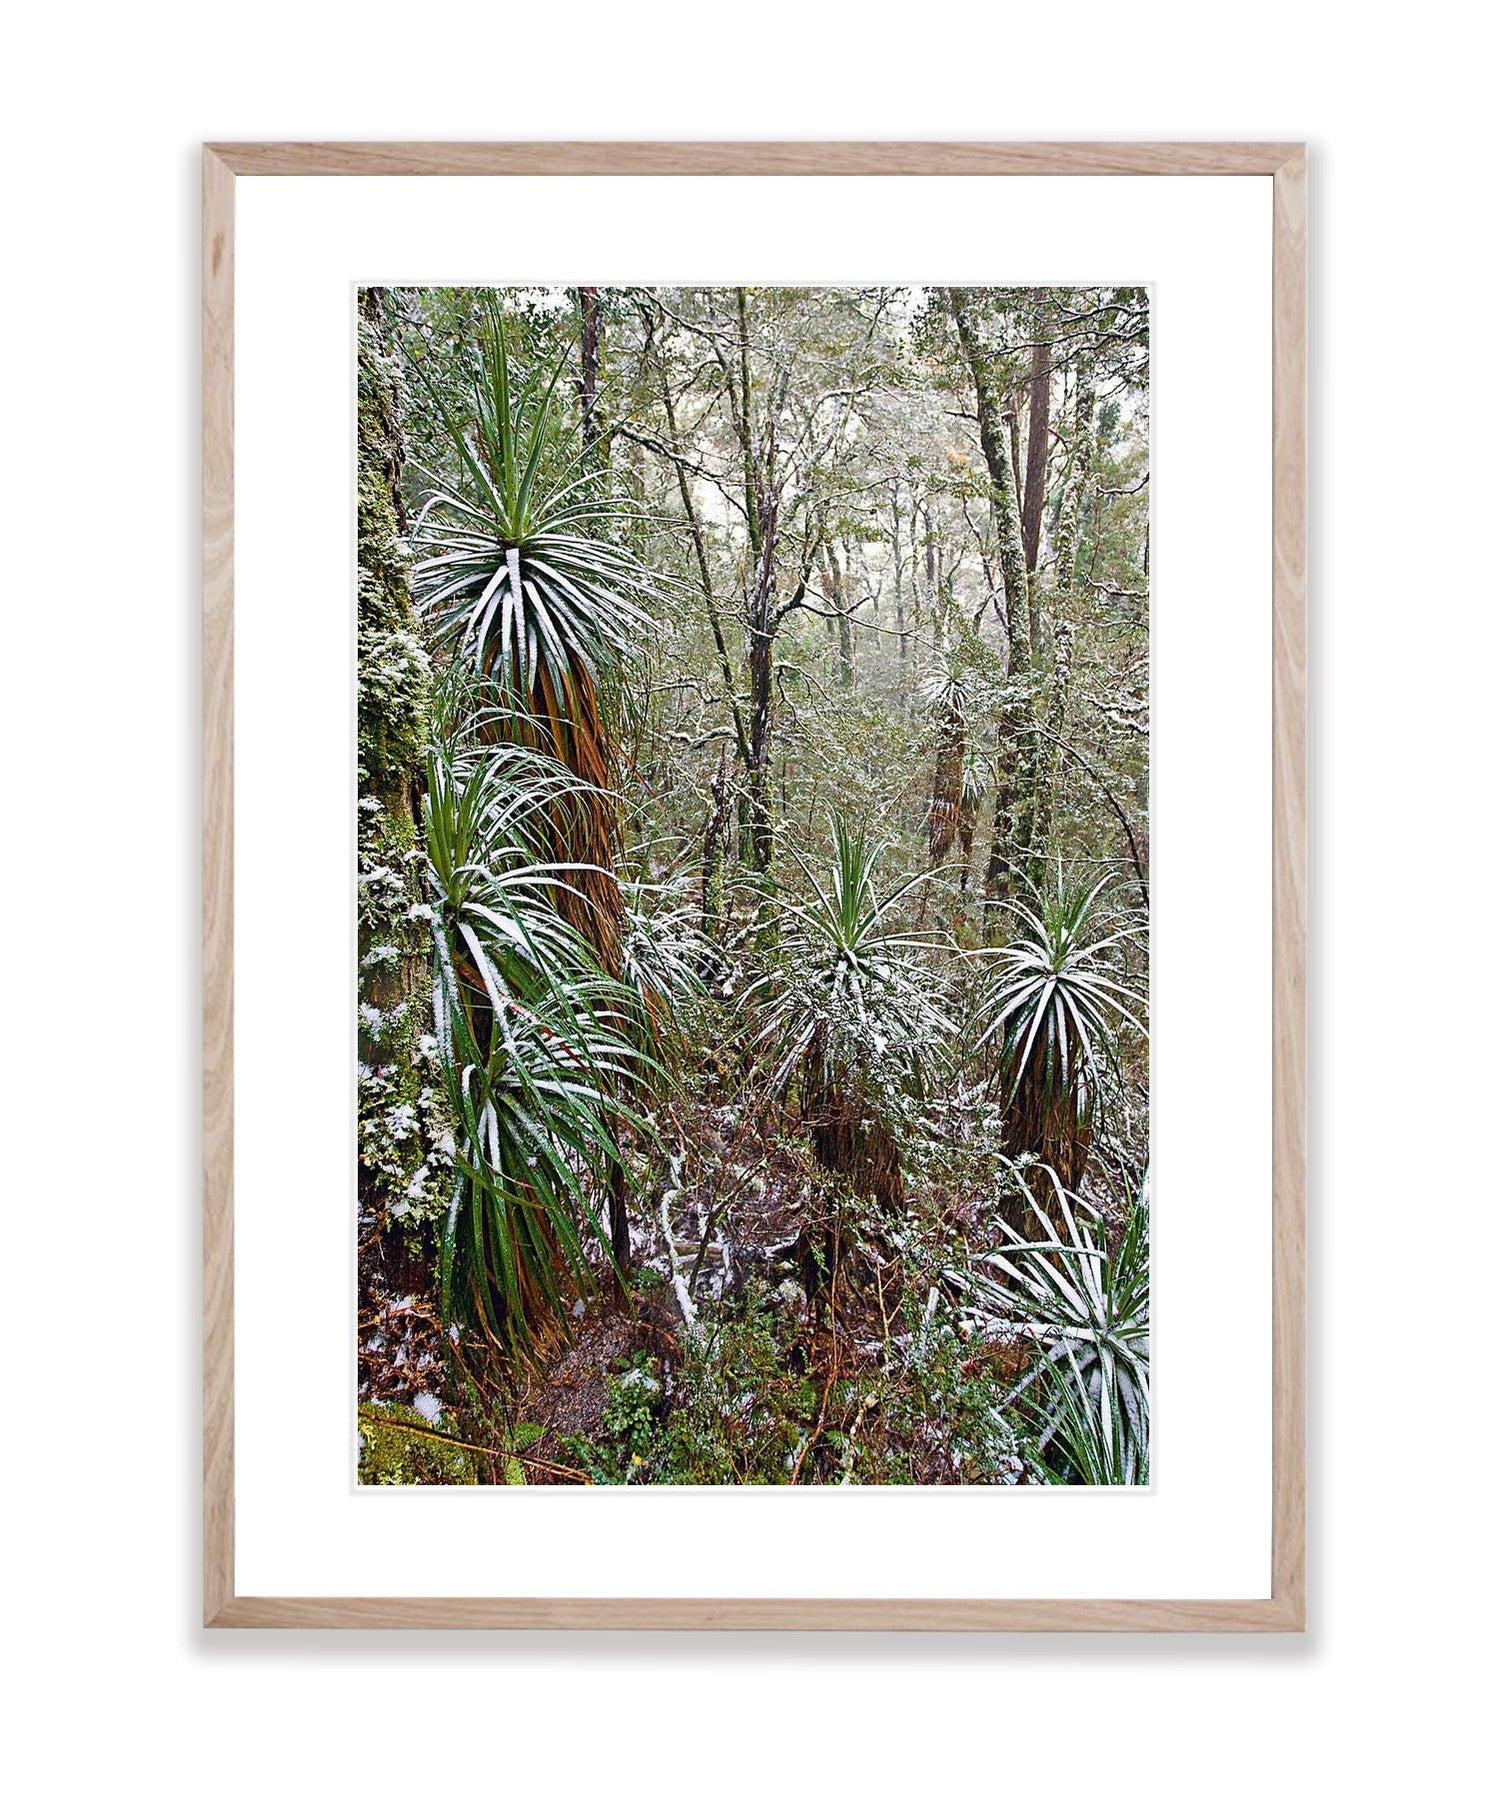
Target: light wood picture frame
<point x="1285" y="164"/>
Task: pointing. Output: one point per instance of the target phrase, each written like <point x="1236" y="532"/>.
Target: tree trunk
<point x="967" y="819"/>
<point x="1072" y="512"/>
<point x="588" y="384"/>
<point x="900" y="598"/>
<point x="1056" y="718"/>
<point x="1011" y="408"/>
<point x="1066" y="564"/>
<point x="947" y="786"/>
<point x="847" y="673"/>
<point x="850" y="1139"/>
<point x="395" y="979"/>
<point x="760" y="513"/>
<point x="1015" y="789"/>
<point x="715" y="835"/>
<point x="602" y="926"/>
<point x="761" y="669"/>
<point x="1037" y="443"/>
<point x="930" y="539"/>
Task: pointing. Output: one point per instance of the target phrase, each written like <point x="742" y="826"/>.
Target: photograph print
<point x="753" y="886"/>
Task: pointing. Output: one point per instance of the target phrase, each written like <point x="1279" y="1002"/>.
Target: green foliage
<point x="663" y="955"/>
<point x="524" y="586"/>
<point x="632" y="1407"/>
<point x="1051" y="1005"/>
<point x="739" y="1412"/>
<point x="533" y="1039"/>
<point x="739" y="1409"/>
<point x="1056" y="991"/>
<point x="518" y="570"/>
<point x="733" y="1413"/>
<point x="848" y="989"/>
<point x="522" y="1437"/>
<point x="1089" y="1307"/>
<point x="938" y="1406"/>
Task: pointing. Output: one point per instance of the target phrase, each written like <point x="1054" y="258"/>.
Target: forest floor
<point x="733" y="1196"/>
<point x="772" y="1330"/>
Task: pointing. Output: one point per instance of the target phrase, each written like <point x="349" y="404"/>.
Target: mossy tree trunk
<point x="1056" y="718"/>
<point x="1084" y="446"/>
<point x="402" y="1115"/>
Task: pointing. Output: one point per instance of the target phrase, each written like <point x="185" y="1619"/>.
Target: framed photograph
<point x="754" y="886"/>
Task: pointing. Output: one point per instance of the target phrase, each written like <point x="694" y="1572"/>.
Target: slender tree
<point x="1037" y="450"/>
<point x="588" y="380"/>
<point x="1015" y="785"/>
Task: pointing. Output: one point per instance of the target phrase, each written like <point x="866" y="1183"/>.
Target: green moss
<point x="399" y="1448"/>
<point x="395" y="681"/>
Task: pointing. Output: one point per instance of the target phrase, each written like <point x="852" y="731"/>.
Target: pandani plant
<point x="847" y="1008"/>
<point x="1086" y="1305"/>
<point x="664" y="956"/>
<point x="1049" y="1011"/>
<point x="524" y="574"/>
<point x="525" y="577"/>
<point x="534" y="1037"/>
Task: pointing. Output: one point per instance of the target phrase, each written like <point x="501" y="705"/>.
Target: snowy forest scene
<point x="753" y="886"/>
